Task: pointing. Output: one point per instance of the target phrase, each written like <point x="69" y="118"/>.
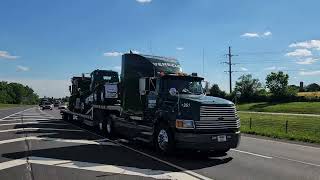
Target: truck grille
<point x="215" y="117"/>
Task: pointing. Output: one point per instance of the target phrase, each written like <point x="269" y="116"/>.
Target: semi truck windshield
<point x="184" y="86"/>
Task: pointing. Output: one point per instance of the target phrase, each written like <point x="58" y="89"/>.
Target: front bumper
<point x="206" y="141"/>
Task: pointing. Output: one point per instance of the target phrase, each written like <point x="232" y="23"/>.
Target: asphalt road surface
<point x="38" y="145"/>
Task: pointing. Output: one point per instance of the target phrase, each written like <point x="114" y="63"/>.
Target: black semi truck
<point x="157" y="103"/>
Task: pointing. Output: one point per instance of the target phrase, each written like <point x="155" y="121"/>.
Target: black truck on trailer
<point x="157" y="103"/>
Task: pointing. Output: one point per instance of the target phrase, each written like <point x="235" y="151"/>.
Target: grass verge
<point x="4" y="106"/>
<point x="300" y="128"/>
<point x="292" y="107"/>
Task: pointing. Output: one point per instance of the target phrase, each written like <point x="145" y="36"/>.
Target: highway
<point x="38" y="145"/>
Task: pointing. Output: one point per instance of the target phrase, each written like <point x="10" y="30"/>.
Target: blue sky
<point x="44" y="43"/>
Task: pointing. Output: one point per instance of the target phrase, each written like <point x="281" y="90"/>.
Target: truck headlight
<point x="184" y="124"/>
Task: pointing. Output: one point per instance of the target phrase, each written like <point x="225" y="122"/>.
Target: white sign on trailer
<point x="111" y="91"/>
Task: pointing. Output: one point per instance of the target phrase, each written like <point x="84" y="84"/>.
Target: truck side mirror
<point x="142" y="86"/>
<point x="70" y="89"/>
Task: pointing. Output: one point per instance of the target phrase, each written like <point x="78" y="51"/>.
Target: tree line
<point x="16" y="93"/>
<point x="276" y="89"/>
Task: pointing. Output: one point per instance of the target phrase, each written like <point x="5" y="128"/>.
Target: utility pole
<point x="230" y="64"/>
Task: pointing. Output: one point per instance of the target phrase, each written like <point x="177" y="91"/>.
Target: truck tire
<point x="107" y="127"/>
<point x="164" y="140"/>
<point x="70" y="117"/>
<point x="65" y="116"/>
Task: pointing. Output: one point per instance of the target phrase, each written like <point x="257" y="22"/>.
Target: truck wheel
<point x="65" y="117"/>
<point x="108" y="127"/>
<point x="164" y="139"/>
<point x="70" y="118"/>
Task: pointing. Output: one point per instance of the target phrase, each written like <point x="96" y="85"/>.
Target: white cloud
<point x="143" y="1"/>
<point x="309" y="73"/>
<point x="179" y="48"/>
<point x="244" y="69"/>
<point x="256" y="35"/>
<point x="273" y="68"/>
<point x="135" y="52"/>
<point x="300" y="53"/>
<point x="308" y="60"/>
<point x="112" y="54"/>
<point x="267" y="33"/>
<point x="250" y="35"/>
<point x="6" y="55"/>
<point x="270" y="68"/>
<point x="312" y="44"/>
<point x="22" y="68"/>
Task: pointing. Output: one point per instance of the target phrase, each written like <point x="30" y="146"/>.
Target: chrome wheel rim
<point x="163" y="139"/>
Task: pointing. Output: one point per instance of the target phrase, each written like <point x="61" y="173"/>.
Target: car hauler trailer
<point x="159" y="104"/>
<point x="90" y="95"/>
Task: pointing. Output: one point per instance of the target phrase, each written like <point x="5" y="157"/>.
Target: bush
<point x="15" y="93"/>
<point x="215" y="91"/>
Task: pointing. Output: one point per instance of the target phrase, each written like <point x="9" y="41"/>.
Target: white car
<point x="62" y="106"/>
<point x="47" y="105"/>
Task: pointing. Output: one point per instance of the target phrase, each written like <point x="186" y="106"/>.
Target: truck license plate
<point x="222" y="138"/>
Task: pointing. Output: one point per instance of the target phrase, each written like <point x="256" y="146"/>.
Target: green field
<point x="4" y="106"/>
<point x="292" y="107"/>
<point x="300" y="128"/>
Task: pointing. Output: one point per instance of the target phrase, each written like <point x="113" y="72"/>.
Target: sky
<point x="44" y="43"/>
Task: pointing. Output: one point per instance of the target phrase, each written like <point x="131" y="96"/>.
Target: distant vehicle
<point x="47" y="105"/>
<point x="62" y="106"/>
<point x="56" y="104"/>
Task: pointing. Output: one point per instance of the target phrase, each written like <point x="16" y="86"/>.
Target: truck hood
<point x="202" y="99"/>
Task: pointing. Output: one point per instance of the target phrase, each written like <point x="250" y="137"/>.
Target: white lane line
<point x="19" y="117"/>
<point x="93" y="142"/>
<point x="279" y="157"/>
<point x="40" y="117"/>
<point x="250" y="153"/>
<point x="96" y="142"/>
<point x="16" y="113"/>
<point x="34" y="120"/>
<point x="12" y="140"/>
<point x="35" y="129"/>
<point x="157" y="174"/>
<point x="297" y="161"/>
<point x="26" y="117"/>
<point x="13" y="163"/>
<point x="44" y="123"/>
<point x="284" y="143"/>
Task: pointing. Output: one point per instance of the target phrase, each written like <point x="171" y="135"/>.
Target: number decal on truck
<point x="185" y="105"/>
